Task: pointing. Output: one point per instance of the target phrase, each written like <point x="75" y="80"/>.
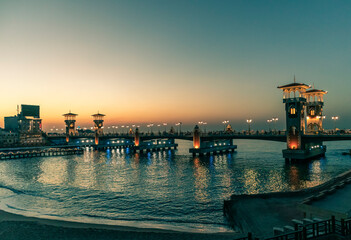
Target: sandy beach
<point x="13" y="226"/>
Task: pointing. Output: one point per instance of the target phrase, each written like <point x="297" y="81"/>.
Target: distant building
<point x="11" y="124"/>
<point x="25" y="128"/>
<point x="8" y="138"/>
<point x="27" y="121"/>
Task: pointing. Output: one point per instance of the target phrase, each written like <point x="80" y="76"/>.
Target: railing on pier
<point x="312" y="230"/>
<point x="296" y="235"/>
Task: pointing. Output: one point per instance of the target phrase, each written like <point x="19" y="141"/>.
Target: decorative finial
<point x="313" y="85"/>
<point x="294" y="79"/>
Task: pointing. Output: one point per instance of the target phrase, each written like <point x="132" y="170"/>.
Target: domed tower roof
<point x="315" y="91"/>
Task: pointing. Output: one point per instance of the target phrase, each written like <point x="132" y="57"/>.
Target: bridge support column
<point x="70" y="122"/>
<point x="136" y="138"/>
<point x="98" y="126"/>
<point x="196" y="137"/>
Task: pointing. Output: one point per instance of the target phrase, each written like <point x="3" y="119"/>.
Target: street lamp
<point x="274" y="121"/>
<point x="269" y="124"/>
<point x="151" y="125"/>
<point x="179" y="127"/>
<point x="249" y="121"/>
<point x="225" y="123"/>
<point x="335" y="118"/>
<point x="204" y="123"/>
<point x="165" y="124"/>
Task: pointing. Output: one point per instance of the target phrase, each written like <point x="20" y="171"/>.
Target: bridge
<point x="115" y="140"/>
<point x="304" y="134"/>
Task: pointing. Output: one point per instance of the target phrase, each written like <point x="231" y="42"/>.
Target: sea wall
<point x="240" y="210"/>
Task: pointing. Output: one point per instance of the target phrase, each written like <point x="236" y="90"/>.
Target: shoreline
<point x="14" y="221"/>
<point x="259" y="213"/>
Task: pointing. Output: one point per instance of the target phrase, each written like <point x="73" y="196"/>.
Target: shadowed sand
<point x="13" y="226"/>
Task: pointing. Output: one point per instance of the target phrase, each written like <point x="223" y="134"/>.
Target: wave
<point x="12" y="189"/>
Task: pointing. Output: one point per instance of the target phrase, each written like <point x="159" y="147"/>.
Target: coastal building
<point x="23" y="129"/>
<point x="27" y="121"/>
<point x="8" y="138"/>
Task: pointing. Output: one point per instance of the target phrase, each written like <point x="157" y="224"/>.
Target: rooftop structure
<point x="294" y="88"/>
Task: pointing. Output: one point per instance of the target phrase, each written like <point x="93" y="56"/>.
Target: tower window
<point x="312" y="112"/>
<point x="292" y="111"/>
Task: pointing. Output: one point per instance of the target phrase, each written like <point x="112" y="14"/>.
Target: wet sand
<point x="13" y="226"/>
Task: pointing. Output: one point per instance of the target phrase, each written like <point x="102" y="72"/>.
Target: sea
<point x="166" y="190"/>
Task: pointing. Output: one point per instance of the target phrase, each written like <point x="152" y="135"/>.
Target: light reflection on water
<point x="164" y="188"/>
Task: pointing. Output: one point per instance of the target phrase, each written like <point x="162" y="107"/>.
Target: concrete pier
<point x="304" y="154"/>
<point x="40" y="153"/>
<point x="159" y="145"/>
<point x="213" y="147"/>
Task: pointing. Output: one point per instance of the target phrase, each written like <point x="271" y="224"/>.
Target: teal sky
<point x="170" y="61"/>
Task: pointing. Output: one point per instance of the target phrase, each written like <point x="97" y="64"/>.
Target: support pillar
<point x="70" y="122"/>
<point x="98" y="126"/>
<point x="136" y="138"/>
<point x="196" y="137"/>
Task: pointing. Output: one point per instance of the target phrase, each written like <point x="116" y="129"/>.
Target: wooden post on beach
<point x="296" y="227"/>
<point x="342" y="227"/>
<point x="333" y="223"/>
<point x="249" y="236"/>
<point x="304" y="232"/>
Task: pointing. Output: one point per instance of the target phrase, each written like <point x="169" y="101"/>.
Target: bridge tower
<point x="136" y="137"/>
<point x="295" y="101"/>
<point x="314" y="111"/>
<point x="70" y="121"/>
<point x="295" y="98"/>
<point x="98" y="125"/>
<point x="196" y="137"/>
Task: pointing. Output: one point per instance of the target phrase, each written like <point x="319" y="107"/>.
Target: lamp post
<point x="122" y="131"/>
<point x="335" y="118"/>
<point x="165" y="124"/>
<point x="179" y="124"/>
<point x="274" y="119"/>
<point x="158" y="128"/>
<point x="249" y="121"/>
<point x="204" y="123"/>
<point x="225" y="123"/>
<point x="323" y="117"/>
<point x="269" y="121"/>
<point x="151" y="125"/>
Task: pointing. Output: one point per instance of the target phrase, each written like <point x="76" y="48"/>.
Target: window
<point x="292" y="111"/>
<point x="312" y="113"/>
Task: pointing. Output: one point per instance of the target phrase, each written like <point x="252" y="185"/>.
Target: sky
<point x="158" y="61"/>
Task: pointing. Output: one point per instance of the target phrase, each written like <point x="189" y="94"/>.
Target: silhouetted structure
<point x="294" y="97"/>
<point x="98" y="125"/>
<point x="70" y="121"/>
